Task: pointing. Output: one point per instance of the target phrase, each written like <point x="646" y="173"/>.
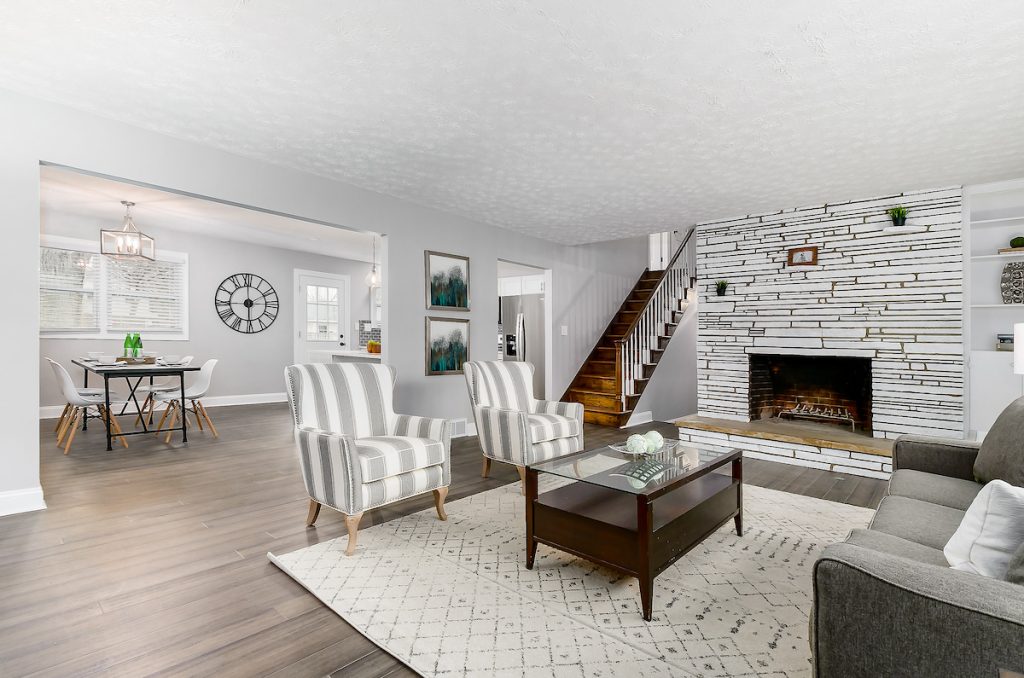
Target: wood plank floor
<point x="152" y="560"/>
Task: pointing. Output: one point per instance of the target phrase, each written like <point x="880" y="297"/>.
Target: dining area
<point x="135" y="394"/>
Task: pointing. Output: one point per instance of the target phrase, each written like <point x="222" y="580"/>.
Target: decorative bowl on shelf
<point x="1011" y="283"/>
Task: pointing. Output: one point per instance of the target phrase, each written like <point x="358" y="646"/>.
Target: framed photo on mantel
<point x="447" y="281"/>
<point x="803" y="256"/>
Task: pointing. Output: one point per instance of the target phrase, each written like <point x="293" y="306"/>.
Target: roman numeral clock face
<point x="246" y="303"/>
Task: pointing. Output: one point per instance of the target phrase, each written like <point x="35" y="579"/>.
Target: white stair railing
<point x="633" y="350"/>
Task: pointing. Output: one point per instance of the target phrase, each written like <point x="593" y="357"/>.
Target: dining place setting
<point x="155" y="386"/>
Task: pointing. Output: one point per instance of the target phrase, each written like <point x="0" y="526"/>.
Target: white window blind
<point x="84" y="294"/>
<point x="69" y="284"/>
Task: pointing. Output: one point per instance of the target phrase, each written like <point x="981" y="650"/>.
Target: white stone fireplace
<point x="894" y="300"/>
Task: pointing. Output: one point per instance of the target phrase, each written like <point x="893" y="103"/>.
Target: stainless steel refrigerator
<point x="521" y="323"/>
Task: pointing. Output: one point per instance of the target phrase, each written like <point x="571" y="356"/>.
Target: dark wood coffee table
<point x="634" y="515"/>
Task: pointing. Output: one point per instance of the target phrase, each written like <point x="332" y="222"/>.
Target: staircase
<point x="613" y="377"/>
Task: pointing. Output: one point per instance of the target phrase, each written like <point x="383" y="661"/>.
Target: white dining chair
<point x="78" y="403"/>
<point x="193" y="394"/>
<point x="149" y="404"/>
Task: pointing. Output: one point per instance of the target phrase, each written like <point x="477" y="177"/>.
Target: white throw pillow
<point x="991" y="531"/>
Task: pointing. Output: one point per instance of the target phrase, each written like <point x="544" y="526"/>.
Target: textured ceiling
<point x="573" y="121"/>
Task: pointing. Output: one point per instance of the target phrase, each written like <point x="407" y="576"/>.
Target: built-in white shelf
<point x="996" y="257"/>
<point x="1017" y="306"/>
<point x="906" y="228"/>
<point x="1000" y="220"/>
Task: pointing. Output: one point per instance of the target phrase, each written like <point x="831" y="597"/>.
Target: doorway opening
<point x="525" y="320"/>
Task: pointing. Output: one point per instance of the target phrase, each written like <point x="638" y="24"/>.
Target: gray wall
<point x="588" y="282"/>
<point x="672" y="391"/>
<point x="248" y="363"/>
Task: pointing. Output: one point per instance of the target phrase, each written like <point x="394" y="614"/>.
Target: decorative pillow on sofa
<point x="1001" y="456"/>
<point x="991" y="531"/>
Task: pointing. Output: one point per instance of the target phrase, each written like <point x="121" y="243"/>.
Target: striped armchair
<point x="356" y="453"/>
<point x="512" y="425"/>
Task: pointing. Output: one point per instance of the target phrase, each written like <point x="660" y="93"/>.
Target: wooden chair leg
<point x="170" y="424"/>
<point x="195" y="413"/>
<point x="206" y="415"/>
<point x="152" y="410"/>
<point x="439" y="496"/>
<point x="65" y="425"/>
<point x="352" y="523"/>
<point x="487" y="467"/>
<point x="74" y="429"/>
<point x="115" y="427"/>
<point x="63" y="416"/>
<point x="142" y="410"/>
<point x="522" y="478"/>
<point x="314" y="511"/>
<point x="167" y="410"/>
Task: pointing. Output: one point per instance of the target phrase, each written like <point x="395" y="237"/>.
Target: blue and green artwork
<point x="447" y="282"/>
<point x="447" y="345"/>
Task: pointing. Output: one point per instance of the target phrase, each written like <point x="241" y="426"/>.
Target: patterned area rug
<point x="455" y="599"/>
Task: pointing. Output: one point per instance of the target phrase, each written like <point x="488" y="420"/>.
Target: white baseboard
<point x="245" y="399"/>
<point x="22" y="501"/>
<point x="53" y="411"/>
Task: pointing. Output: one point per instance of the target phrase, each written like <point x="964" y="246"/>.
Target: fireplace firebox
<point x="834" y="390"/>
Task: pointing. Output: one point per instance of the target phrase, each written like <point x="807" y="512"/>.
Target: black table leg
<point x="184" y="413"/>
<point x="737" y="474"/>
<point x="645" y="525"/>
<point x="531" y="495"/>
<point x="106" y="401"/>
<point x="85" y="384"/>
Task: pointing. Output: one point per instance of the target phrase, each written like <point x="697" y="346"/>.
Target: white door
<point x="321" y="316"/>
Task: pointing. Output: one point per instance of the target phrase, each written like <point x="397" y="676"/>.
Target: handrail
<point x="671" y="263"/>
<point x="634" y="350"/>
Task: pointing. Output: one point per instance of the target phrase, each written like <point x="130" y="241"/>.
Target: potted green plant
<point x="721" y="286"/>
<point x="898" y="215"/>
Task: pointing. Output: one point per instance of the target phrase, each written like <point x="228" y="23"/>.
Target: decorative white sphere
<point x="655" y="441"/>
<point x="636" y="444"/>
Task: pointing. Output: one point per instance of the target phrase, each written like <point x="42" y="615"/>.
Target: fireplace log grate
<point x="810" y="411"/>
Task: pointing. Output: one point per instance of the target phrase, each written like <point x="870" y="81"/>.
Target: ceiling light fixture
<point x="129" y="242"/>
<point x="373" y="277"/>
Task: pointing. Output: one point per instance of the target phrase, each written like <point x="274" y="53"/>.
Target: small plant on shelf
<point x="898" y="215"/>
<point x="721" y="286"/>
<point x="1017" y="243"/>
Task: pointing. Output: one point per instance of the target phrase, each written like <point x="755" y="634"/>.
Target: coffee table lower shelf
<point x="632" y="534"/>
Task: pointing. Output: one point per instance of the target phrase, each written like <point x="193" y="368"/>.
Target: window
<point x="321" y="312"/>
<point x="83" y="294"/>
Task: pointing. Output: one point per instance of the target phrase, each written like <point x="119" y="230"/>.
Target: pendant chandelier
<point x="373" y="277"/>
<point x="129" y="242"/>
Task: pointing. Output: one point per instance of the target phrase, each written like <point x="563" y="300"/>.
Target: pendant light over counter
<point x="373" y="277"/>
<point x="129" y="242"/>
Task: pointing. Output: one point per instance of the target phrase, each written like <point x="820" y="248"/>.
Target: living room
<point x="776" y="256"/>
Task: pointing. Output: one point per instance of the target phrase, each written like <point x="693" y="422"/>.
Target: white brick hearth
<point x="896" y="298"/>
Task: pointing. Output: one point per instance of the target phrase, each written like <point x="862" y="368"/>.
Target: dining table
<point x="134" y="374"/>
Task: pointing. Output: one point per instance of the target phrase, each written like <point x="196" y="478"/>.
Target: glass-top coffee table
<point x="637" y="515"/>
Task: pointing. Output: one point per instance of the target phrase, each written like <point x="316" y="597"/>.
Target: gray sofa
<point x="886" y="602"/>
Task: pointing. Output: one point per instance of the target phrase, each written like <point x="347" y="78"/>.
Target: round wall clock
<point x="246" y="303"/>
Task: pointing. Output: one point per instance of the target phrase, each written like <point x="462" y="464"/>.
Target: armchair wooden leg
<point x="440" y="494"/>
<point x="352" y="523"/>
<point x="314" y="511"/>
<point x="487" y="467"/>
<point x="65" y="424"/>
<point x="522" y="478"/>
<point x="115" y="426"/>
